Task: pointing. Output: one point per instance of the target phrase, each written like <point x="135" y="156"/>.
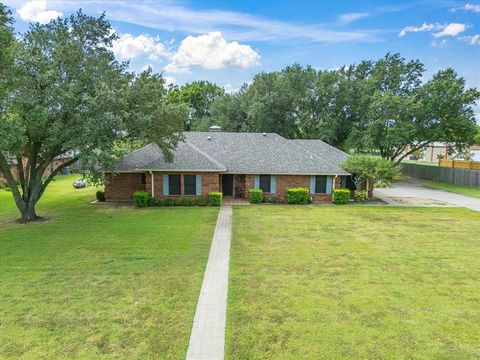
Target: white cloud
<point x="230" y="89"/>
<point x="168" y="16"/>
<point x="453" y="29"/>
<point x="169" y="80"/>
<point x="473" y="40"/>
<point x="424" y="27"/>
<point x="36" y="11"/>
<point x="128" y="47"/>
<point x="440" y="43"/>
<point x="211" y="51"/>
<point x="472" y="7"/>
<point x="351" y="17"/>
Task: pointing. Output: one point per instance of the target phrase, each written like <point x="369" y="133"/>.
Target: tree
<point x="401" y="115"/>
<point x="198" y="96"/>
<point x="6" y="57"/>
<point x="71" y="96"/>
<point x="476" y="138"/>
<point x="371" y="171"/>
<point x="229" y="112"/>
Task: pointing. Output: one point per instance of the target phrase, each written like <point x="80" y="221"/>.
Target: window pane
<point x="320" y="184"/>
<point x="174" y="184"/>
<point x="265" y="183"/>
<point x="189" y="185"/>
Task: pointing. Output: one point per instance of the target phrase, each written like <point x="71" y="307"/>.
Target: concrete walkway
<point x="207" y="339"/>
<point x="414" y="188"/>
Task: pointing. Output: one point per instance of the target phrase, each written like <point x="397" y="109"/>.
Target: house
<point x="435" y="151"/>
<point x="231" y="163"/>
<point x="52" y="166"/>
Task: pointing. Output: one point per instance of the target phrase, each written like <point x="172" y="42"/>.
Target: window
<point x="144" y="179"/>
<point x="265" y="181"/>
<point x="189" y="185"/>
<point x="174" y="185"/>
<point x="320" y="184"/>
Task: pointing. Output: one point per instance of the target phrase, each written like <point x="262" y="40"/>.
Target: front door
<point x="227" y="184"/>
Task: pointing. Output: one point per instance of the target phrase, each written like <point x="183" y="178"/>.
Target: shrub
<point x="152" y="201"/>
<point x="201" y="201"/>
<point x="100" y="196"/>
<point x="341" y="196"/>
<point x="188" y="201"/>
<point x="297" y="196"/>
<point x="141" y="198"/>
<point x="256" y="196"/>
<point x="360" y="196"/>
<point x="274" y="200"/>
<point x="215" y="198"/>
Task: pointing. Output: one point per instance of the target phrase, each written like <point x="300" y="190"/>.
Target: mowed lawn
<point x="354" y="283"/>
<point x="458" y="189"/>
<point x="99" y="282"/>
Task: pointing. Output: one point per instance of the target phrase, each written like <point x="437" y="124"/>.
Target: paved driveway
<point x="415" y="189"/>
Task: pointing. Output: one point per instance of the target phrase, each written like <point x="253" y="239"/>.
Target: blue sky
<point x="228" y="42"/>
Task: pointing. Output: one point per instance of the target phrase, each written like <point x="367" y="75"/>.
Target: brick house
<point x="231" y="163"/>
<point x="53" y="165"/>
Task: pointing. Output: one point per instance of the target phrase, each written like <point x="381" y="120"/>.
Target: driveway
<point x="414" y="192"/>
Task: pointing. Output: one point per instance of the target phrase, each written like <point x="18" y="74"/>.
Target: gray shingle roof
<point x="322" y="149"/>
<point x="240" y="153"/>
<point x="185" y="157"/>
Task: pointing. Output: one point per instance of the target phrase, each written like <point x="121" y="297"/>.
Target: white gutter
<point x="153" y="184"/>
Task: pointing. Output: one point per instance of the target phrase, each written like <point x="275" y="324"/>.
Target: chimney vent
<point x="215" y="128"/>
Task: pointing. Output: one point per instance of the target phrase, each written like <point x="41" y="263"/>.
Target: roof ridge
<point x="321" y="158"/>
<point x="203" y="153"/>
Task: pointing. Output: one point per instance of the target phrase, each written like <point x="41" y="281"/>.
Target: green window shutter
<point x="273" y="184"/>
<point x="165" y="185"/>
<point x="329" y="184"/>
<point x="256" y="184"/>
<point x="312" y="184"/>
<point x="199" y="185"/>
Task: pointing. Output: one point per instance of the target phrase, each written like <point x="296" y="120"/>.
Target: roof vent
<point x="264" y="134"/>
<point x="215" y="128"/>
<point x="209" y="137"/>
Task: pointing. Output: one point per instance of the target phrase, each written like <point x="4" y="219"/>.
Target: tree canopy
<point x="381" y="106"/>
<point x="68" y="94"/>
<point x="373" y="171"/>
<point x="198" y="96"/>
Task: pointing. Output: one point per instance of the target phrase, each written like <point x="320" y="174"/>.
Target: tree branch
<point x="413" y="149"/>
<point x="55" y="173"/>
<point x="12" y="184"/>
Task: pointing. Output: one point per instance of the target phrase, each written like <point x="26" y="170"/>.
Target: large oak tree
<point x="66" y="93"/>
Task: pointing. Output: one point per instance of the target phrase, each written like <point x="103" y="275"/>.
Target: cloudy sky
<point x="229" y="41"/>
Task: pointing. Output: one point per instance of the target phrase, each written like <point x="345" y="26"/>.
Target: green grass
<point x="457" y="189"/>
<point x="99" y="282"/>
<point x="420" y="162"/>
<point x="354" y="283"/>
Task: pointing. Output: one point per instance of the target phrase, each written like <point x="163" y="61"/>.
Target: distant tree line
<point x="383" y="106"/>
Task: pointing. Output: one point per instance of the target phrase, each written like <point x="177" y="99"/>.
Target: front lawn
<point x="99" y="282"/>
<point x="457" y="189"/>
<point x="354" y="283"/>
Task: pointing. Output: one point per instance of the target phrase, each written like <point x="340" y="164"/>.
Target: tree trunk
<point x="28" y="212"/>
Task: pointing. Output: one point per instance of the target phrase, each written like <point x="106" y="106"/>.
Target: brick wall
<point x="122" y="186"/>
<point x="210" y="183"/>
<point x="283" y="182"/>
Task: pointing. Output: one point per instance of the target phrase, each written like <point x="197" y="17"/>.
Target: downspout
<point x="153" y="183"/>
